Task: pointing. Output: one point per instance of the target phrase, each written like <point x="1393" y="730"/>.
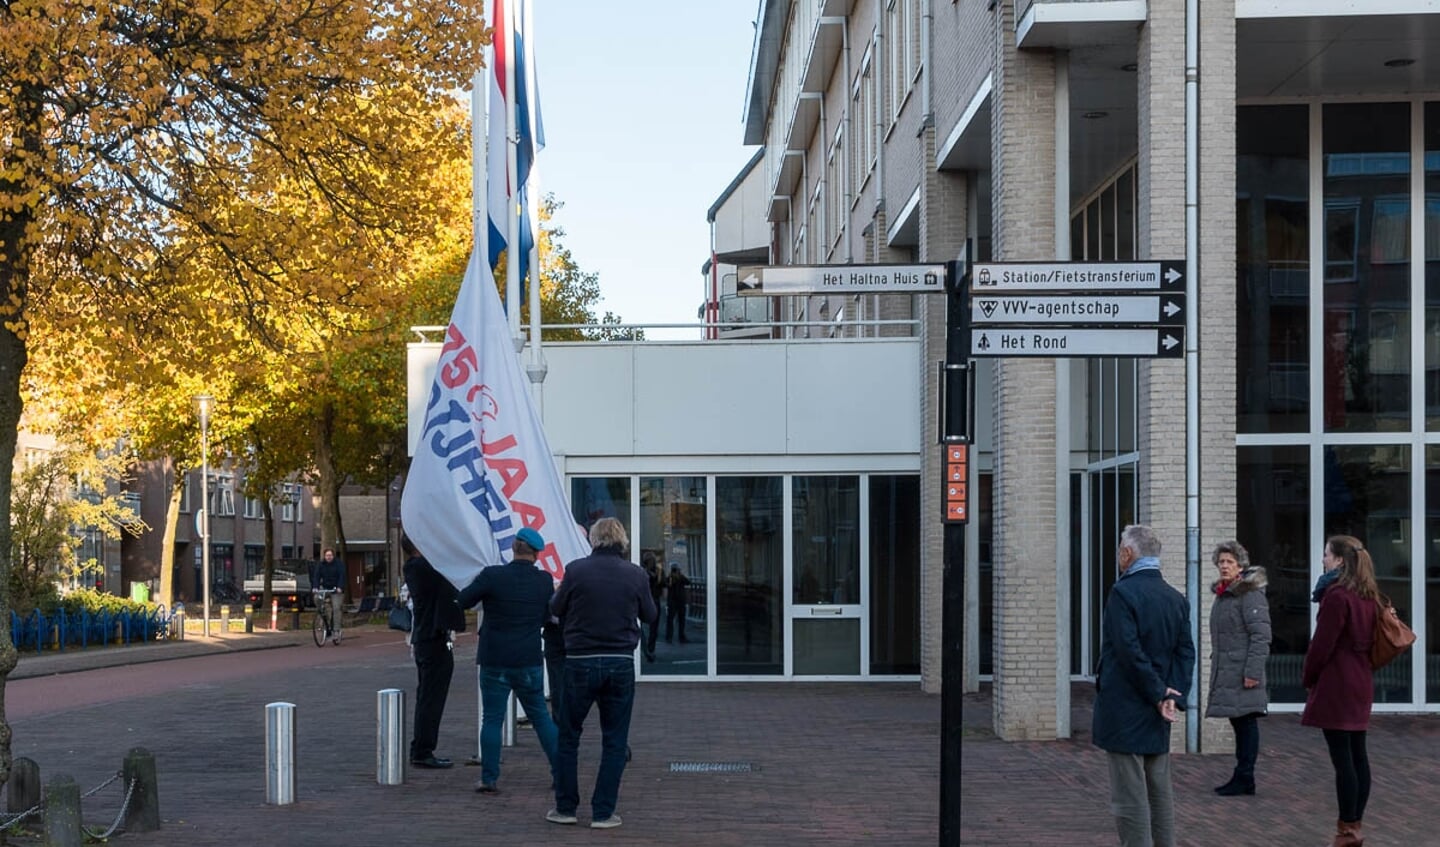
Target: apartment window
<point x="225" y="495"/>
<point x="862" y="117"/>
<point x="903" y="33"/>
<point x="816" y="216"/>
<point x="835" y="201"/>
<point x="291" y="508"/>
<point x="185" y="494"/>
<point x="252" y="507"/>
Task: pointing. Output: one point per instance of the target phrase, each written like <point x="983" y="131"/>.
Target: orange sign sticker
<point x="957" y="496"/>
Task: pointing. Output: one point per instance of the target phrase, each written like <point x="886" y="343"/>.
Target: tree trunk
<point x="17" y="231"/>
<point x="167" y="544"/>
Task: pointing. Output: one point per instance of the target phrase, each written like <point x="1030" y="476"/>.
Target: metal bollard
<point x="389" y="736"/>
<point x="249" y="618"/>
<point x="224" y="619"/>
<point x="280" y="754"/>
<point x="177" y="624"/>
<point x="509" y="740"/>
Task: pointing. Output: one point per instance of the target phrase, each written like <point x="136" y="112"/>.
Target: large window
<point x="750" y="565"/>
<point x="894" y="575"/>
<point x="1272" y="259"/>
<point x="671" y="541"/>
<point x="1272" y="511"/>
<point x="1367" y="495"/>
<point x="1366" y="350"/>
<point x="593" y="498"/>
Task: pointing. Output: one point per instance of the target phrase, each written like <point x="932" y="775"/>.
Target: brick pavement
<point x="836" y="764"/>
<point x="1054" y="793"/>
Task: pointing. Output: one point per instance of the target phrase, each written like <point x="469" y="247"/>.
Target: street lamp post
<point x="203" y="404"/>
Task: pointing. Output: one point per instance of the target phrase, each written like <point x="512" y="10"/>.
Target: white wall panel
<point x="751" y="398"/>
<point x="709" y="397"/>
<point x="861" y="397"/>
<point x="590" y="398"/>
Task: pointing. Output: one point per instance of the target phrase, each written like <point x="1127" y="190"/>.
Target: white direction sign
<point x="773" y="280"/>
<point x="1078" y="309"/>
<point x="990" y="277"/>
<point x="1142" y="342"/>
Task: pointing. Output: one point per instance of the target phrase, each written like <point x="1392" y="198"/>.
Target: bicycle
<point x="225" y="591"/>
<point x="324" y="625"/>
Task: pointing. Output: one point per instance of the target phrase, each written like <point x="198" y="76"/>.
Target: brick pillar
<point x="1218" y="327"/>
<point x="1025" y="587"/>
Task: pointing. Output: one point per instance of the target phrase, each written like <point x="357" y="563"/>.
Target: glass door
<point x="825" y="609"/>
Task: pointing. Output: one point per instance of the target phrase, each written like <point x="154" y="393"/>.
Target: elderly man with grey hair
<point x="1146" y="658"/>
<point x="601" y="603"/>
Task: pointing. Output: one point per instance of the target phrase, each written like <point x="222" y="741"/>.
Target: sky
<point x="642" y="111"/>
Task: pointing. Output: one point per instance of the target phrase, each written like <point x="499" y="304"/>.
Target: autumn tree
<point x="126" y="128"/>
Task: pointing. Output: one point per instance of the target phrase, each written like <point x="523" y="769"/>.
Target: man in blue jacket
<point x="600" y="603"/>
<point x="1146" y="658"/>
<point x="516" y="601"/>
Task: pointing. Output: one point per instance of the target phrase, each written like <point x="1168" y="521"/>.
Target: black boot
<point x="1235" y="788"/>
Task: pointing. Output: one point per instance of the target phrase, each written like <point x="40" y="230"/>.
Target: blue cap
<point x="531" y="537"/>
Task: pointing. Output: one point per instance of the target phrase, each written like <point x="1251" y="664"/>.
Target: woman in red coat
<point x="1338" y="678"/>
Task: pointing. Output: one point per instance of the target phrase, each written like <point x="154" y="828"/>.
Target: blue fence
<point x="61" y="629"/>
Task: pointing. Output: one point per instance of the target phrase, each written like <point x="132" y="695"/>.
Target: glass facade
<point x="1331" y="266"/>
<point x="806" y="575"/>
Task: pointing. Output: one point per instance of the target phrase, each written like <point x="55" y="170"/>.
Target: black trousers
<point x="435" y="664"/>
<point x="1352" y="772"/>
<point x="1247" y="746"/>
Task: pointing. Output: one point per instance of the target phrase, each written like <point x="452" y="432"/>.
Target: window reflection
<point x="671" y="543"/>
<point x="750" y="561"/>
<point x="1366" y="349"/>
<point x="1367" y="495"/>
<point x="1272" y="248"/>
<point x="1272" y="512"/>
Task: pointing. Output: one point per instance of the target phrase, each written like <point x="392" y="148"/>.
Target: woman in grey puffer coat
<point x="1240" y="644"/>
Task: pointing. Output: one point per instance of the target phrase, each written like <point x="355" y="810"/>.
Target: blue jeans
<point x="495" y="687"/>
<point x="609" y="683"/>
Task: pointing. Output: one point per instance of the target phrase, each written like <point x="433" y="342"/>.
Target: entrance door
<point x="826" y="612"/>
<point x="1110" y="492"/>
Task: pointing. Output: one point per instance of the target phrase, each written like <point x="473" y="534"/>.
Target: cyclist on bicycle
<point x="329" y="575"/>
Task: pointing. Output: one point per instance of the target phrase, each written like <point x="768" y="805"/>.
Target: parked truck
<point x="289" y="583"/>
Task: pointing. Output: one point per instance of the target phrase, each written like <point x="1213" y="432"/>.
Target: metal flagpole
<point x="536" y="367"/>
<point x="512" y="168"/>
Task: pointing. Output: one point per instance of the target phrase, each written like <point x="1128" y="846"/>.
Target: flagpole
<point x="480" y="231"/>
<point x="512" y="169"/>
<point x="537" y="367"/>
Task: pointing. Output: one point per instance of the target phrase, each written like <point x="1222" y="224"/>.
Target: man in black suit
<point x="435" y="617"/>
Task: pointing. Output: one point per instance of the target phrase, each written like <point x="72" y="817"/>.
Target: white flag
<point x="482" y="468"/>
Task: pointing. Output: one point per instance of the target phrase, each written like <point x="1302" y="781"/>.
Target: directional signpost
<point x="774" y="280"/>
<point x="1077" y="309"/>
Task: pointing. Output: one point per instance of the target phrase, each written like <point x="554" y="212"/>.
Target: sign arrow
<point x="1171" y="308"/>
<point x="1169" y="341"/>
<point x="1172" y="275"/>
<point x="751" y="282"/>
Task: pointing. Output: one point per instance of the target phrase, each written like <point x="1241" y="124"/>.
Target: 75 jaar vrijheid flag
<point x="482" y="468"/>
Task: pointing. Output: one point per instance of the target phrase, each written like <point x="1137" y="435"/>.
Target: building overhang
<point x="967" y="146"/>
<point x="1078" y="23"/>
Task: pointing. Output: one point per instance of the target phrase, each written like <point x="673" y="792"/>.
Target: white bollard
<point x="389" y="736"/>
<point x="280" y="754"/>
<point x="509" y="732"/>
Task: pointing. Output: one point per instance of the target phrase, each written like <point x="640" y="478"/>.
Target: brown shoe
<point x="1347" y="834"/>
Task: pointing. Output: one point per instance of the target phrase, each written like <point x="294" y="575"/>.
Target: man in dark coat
<point x="1146" y="659"/>
<point x="516" y="600"/>
<point x="602" y="601"/>
<point x="436" y="617"/>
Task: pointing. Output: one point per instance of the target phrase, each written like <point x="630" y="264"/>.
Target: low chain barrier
<point x="10" y="821"/>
